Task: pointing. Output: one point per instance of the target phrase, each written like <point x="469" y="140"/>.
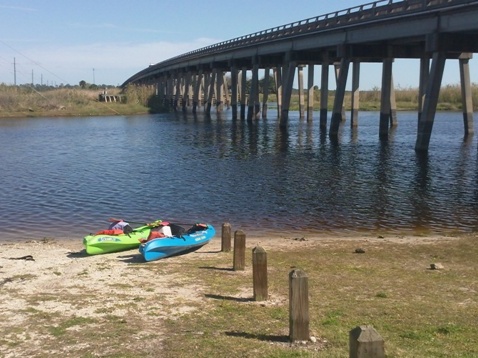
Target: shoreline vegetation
<point x="28" y="101"/>
<point x="419" y="292"/>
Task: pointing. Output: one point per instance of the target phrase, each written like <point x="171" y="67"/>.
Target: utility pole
<point x="93" y="76"/>
<point x="14" y="72"/>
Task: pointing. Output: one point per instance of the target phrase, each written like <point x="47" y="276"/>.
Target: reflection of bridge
<point x="429" y="30"/>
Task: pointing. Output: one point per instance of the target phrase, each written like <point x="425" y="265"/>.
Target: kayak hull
<point x="103" y="244"/>
<point x="177" y="245"/>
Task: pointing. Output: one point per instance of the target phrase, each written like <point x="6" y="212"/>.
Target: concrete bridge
<point x="431" y="31"/>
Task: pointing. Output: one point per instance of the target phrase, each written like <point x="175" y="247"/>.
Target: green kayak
<point x="105" y="242"/>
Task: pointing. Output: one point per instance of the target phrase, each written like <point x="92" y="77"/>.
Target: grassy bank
<point x="75" y="101"/>
<point x="59" y="102"/>
<point x="417" y="311"/>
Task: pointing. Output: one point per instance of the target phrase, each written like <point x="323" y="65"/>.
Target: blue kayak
<point x="181" y="243"/>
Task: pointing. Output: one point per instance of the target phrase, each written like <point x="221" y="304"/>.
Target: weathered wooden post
<point x="298" y="306"/>
<point x="239" y="260"/>
<point x="259" y="274"/>
<point x="226" y="237"/>
<point x="365" y="342"/>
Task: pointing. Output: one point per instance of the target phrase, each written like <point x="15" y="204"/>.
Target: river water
<point x="64" y="177"/>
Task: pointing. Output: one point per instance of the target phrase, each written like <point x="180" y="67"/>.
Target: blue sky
<point x="106" y="42"/>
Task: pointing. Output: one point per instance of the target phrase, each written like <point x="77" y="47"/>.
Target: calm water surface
<point x="64" y="177"/>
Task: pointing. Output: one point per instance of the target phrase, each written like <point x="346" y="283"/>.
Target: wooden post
<point x="365" y="342"/>
<point x="259" y="274"/>
<point x="226" y="237"/>
<point x="239" y="260"/>
<point x="298" y="306"/>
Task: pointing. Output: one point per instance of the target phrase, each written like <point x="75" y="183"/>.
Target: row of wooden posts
<point x="364" y="341"/>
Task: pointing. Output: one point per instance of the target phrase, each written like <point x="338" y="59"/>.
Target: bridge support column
<point x="385" y="105"/>
<point x="169" y="91"/>
<point x="177" y="95"/>
<point x="393" y="105"/>
<point x="234" y="91"/>
<point x="355" y="94"/>
<point x="337" y="68"/>
<point x="187" y="85"/>
<point x="265" y="92"/>
<point x="324" y="91"/>
<point x="466" y="96"/>
<point x="225" y="91"/>
<point x="243" y="92"/>
<point x="206" y="84"/>
<point x="197" y="90"/>
<point x="300" y="80"/>
<point x="425" y="124"/>
<point x="310" y="92"/>
<point x="337" y="113"/>
<point x="210" y="95"/>
<point x="253" y="109"/>
<point x="219" y="91"/>
<point x="424" y="76"/>
<point x="289" y="72"/>
<point x="278" y="82"/>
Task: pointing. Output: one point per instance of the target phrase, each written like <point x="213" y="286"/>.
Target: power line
<point x="34" y="62"/>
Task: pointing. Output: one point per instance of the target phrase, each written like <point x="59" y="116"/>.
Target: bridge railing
<point x="360" y="14"/>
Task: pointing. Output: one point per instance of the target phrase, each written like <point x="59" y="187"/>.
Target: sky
<point x="56" y="42"/>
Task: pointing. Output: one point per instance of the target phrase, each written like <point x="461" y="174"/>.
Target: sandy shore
<point x="57" y="279"/>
